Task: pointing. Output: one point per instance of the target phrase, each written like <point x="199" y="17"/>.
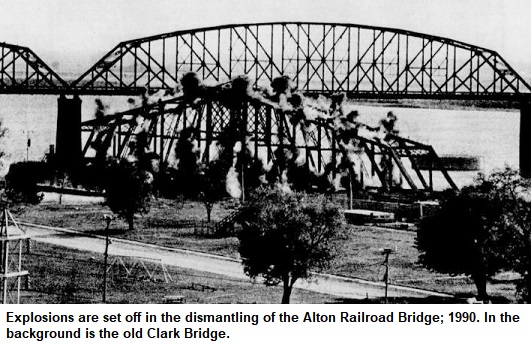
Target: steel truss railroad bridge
<point x="321" y="58"/>
<point x="268" y="131"/>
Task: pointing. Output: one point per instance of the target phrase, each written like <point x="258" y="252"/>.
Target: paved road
<point x="323" y="283"/>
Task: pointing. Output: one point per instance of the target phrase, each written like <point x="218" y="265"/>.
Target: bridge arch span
<point x="364" y="61"/>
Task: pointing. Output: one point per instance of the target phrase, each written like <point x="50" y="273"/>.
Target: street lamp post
<point x="386" y="252"/>
<point x="108" y="219"/>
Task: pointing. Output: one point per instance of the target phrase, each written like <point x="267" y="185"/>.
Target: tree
<point x="128" y="189"/>
<point x="483" y="229"/>
<point x="212" y="187"/>
<point x="286" y="236"/>
<point x="187" y="155"/>
<point x="515" y="226"/>
<point x="456" y="241"/>
<point x="22" y="179"/>
<point x="508" y="218"/>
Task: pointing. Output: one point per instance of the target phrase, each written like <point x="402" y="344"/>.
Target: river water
<point x="492" y="135"/>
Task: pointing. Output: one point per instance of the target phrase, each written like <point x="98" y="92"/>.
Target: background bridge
<point x="362" y="61"/>
<point x="23" y="72"/>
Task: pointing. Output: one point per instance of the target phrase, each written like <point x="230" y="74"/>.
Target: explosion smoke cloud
<point x="233" y="184"/>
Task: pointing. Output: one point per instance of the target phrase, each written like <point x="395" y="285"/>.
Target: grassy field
<point x="169" y="224"/>
<point x="62" y="275"/>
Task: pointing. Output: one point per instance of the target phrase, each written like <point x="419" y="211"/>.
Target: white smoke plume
<point x="265" y="165"/>
<point x="232" y="183"/>
<point x="236" y="149"/>
<point x="336" y="183"/>
<point x="283" y="185"/>
<point x="301" y="158"/>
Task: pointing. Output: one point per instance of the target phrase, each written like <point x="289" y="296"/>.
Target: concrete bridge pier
<point x="68" y="136"/>
<point x="525" y="139"/>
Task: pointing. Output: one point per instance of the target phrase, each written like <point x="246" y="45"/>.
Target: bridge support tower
<point x="525" y="139"/>
<point x="68" y="137"/>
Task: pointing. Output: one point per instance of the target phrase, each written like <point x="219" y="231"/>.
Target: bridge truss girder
<point x="267" y="130"/>
<point x="362" y="61"/>
<point x="23" y="72"/>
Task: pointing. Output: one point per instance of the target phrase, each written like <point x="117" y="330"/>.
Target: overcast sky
<point x="74" y="33"/>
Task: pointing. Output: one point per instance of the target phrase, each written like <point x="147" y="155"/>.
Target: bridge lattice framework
<point x="363" y="61"/>
<point x="269" y="130"/>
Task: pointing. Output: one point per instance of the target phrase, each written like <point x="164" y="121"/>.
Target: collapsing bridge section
<point x="274" y="136"/>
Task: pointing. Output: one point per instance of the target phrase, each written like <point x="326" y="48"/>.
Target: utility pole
<point x="108" y="220"/>
<point x="28" y="141"/>
<point x="386" y="252"/>
<point x="350" y="191"/>
<point x="243" y="183"/>
<point x="27" y="148"/>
